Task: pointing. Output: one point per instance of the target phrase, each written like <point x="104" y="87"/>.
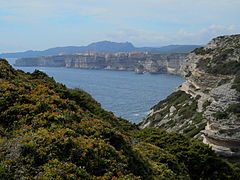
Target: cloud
<point x="153" y="38"/>
<point x="136" y="35"/>
<point x="46" y="23"/>
<point x="206" y="34"/>
<point x="117" y="11"/>
<point x="33" y="10"/>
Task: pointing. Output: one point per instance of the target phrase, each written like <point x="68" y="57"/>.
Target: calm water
<point x="125" y="93"/>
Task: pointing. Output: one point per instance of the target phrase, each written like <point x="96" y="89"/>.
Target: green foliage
<point x="61" y="133"/>
<point x="198" y="118"/>
<point x="188" y="110"/>
<point x="221" y="115"/>
<point x="5" y="173"/>
<point x="199" y="160"/>
<point x="176" y="98"/>
<point x="189" y="129"/>
<point x="219" y="63"/>
<point x="54" y="169"/>
<point x="164" y="164"/>
<point x="50" y="132"/>
<point x="6" y="71"/>
<point x="234" y="108"/>
<point x="206" y="104"/>
<point x="222" y="55"/>
<point x="204" y="64"/>
<point x="225" y="68"/>
<point x="201" y="51"/>
<point x="196" y="129"/>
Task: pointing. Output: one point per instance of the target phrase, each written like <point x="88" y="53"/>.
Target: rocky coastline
<point x="139" y="62"/>
<point x="206" y="106"/>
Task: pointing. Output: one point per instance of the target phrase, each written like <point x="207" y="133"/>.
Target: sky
<point x="42" y="24"/>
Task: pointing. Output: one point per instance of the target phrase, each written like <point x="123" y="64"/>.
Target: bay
<point x="125" y="93"/>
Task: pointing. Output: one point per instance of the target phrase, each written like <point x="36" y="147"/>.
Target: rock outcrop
<point x="135" y="61"/>
<point x="48" y="131"/>
<point x="207" y="105"/>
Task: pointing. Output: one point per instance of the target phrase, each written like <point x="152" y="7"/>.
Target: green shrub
<point x="5" y="172"/>
<point x="202" y="51"/>
<point x="178" y="97"/>
<point x="201" y="162"/>
<point x="234" y="108"/>
<point x="198" y="118"/>
<point x="225" y="68"/>
<point x="51" y="132"/>
<point x="204" y="64"/>
<point x="190" y="128"/>
<point x="221" y="115"/>
<point x="188" y="111"/>
<point x="196" y="130"/>
<point x="206" y="104"/>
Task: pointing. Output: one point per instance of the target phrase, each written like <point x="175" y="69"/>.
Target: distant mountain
<point x="102" y="46"/>
<point x="170" y="49"/>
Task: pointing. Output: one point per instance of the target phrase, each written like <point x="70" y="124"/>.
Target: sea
<point x="125" y="93"/>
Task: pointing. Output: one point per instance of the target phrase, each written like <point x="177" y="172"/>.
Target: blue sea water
<point x="125" y="93"/>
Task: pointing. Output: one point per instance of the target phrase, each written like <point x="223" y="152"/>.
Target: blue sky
<point x="42" y="24"/>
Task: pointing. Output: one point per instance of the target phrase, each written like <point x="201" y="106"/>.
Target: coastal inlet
<point x="125" y="93"/>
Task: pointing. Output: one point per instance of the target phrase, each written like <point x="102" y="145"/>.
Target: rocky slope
<point x="135" y="61"/>
<point x="48" y="131"/>
<point x="208" y="103"/>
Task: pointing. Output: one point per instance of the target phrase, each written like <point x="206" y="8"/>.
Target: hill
<point x="48" y="131"/>
<point x="102" y="47"/>
<point x="208" y="103"/>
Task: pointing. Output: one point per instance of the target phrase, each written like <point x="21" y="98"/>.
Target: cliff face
<point x="48" y="131"/>
<point x="134" y="61"/>
<point x="207" y="103"/>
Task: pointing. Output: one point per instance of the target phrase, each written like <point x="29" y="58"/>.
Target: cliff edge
<point x="139" y="62"/>
<point x="48" y="131"/>
<point x="206" y="106"/>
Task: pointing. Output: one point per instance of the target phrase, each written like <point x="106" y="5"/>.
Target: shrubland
<point x="48" y="131"/>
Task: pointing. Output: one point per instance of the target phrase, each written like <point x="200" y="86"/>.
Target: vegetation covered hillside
<point x="207" y="105"/>
<point x="48" y="131"/>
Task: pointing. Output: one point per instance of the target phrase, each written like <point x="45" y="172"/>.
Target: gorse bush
<point x="193" y="156"/>
<point x="48" y="131"/>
